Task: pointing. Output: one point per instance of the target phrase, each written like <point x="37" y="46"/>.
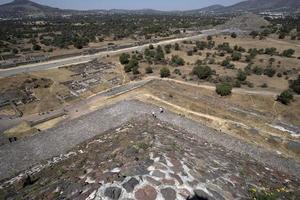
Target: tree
<point x="177" y="61"/>
<point x="164" y="72"/>
<point x="177" y="48"/>
<point x="159" y="56"/>
<point x="15" y="51"/>
<point x="295" y="85"/>
<point x="270" y="72"/>
<point x="151" y="46"/>
<point x="233" y="35"/>
<point x="236" y="56"/>
<point x="36" y="47"/>
<point x="133" y="63"/>
<point x="288" y="53"/>
<point x="124" y="58"/>
<point x="202" y="72"/>
<point x="224" y="89"/>
<point x="209" y="38"/>
<point x="149" y="70"/>
<point x="241" y="76"/>
<point x="285" y="97"/>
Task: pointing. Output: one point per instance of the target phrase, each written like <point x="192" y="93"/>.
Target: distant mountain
<point x="263" y="5"/>
<point x="26" y="8"/>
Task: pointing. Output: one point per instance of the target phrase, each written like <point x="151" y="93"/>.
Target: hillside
<point x="261" y="5"/>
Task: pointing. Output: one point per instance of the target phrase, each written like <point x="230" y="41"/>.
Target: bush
<point x="177" y="61"/>
<point x="124" y="58"/>
<point x="177" y="71"/>
<point x="149" y="70"/>
<point x="295" y="85"/>
<point x="270" y="72"/>
<point x="233" y="35"/>
<point x="236" y="56"/>
<point x="202" y="72"/>
<point x="151" y="46"/>
<point x="257" y="70"/>
<point x="133" y="63"/>
<point x="36" y="47"/>
<point x="224" y="89"/>
<point x="241" y="76"/>
<point x="190" y="53"/>
<point x="288" y="53"/>
<point x="285" y="97"/>
<point x="164" y="72"/>
<point x="177" y="48"/>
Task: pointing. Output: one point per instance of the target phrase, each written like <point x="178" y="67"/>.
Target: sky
<point x="132" y="4"/>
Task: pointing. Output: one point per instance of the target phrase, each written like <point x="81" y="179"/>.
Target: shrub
<point x="177" y="71"/>
<point x="135" y="70"/>
<point x="177" y="48"/>
<point x="36" y="47"/>
<point x="202" y="72"/>
<point x="295" y="85"/>
<point x="285" y="97"/>
<point x="164" y="72"/>
<point x="241" y="76"/>
<point x="177" y="61"/>
<point x="149" y="70"/>
<point x="151" y="46"/>
<point x="133" y="63"/>
<point x="257" y="70"/>
<point x="124" y="58"/>
<point x="236" y="56"/>
<point x="190" y="53"/>
<point x="233" y="35"/>
<point x="270" y="72"/>
<point x="224" y="89"/>
<point x="288" y="53"/>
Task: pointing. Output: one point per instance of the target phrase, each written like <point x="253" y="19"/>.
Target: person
<point x="153" y="114"/>
<point x="161" y="110"/>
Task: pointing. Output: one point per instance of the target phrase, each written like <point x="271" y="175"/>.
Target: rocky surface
<point x="147" y="159"/>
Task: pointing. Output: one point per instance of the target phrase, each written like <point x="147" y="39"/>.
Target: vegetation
<point x="241" y="76"/>
<point x="177" y="61"/>
<point x="224" y="89"/>
<point x="149" y="70"/>
<point x="285" y="97"/>
<point x="202" y="72"/>
<point x="165" y="72"/>
<point x="124" y="58"/>
<point x="288" y="53"/>
<point x="295" y="85"/>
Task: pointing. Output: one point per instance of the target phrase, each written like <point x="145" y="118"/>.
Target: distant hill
<point x="25" y="8"/>
<point x="262" y="5"/>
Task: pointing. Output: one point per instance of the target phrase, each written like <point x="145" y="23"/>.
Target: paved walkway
<point x="59" y="140"/>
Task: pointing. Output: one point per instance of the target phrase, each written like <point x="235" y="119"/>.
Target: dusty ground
<point x="147" y="159"/>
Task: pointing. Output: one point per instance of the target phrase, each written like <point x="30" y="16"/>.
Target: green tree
<point x="149" y="70"/>
<point x="241" y="76"/>
<point x="285" y="97"/>
<point x="177" y="48"/>
<point x="288" y="53"/>
<point x="177" y="61"/>
<point x="236" y="56"/>
<point x="124" y="58"/>
<point x="233" y="35"/>
<point x="36" y="47"/>
<point x="224" y="89"/>
<point x="202" y="72"/>
<point x="295" y="85"/>
<point x="164" y="72"/>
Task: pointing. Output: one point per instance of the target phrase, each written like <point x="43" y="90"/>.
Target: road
<point x="86" y="58"/>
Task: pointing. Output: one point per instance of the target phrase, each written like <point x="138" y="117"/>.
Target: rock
<point x="200" y="194"/>
<point x="274" y="140"/>
<point x="146" y="193"/>
<point x="179" y="180"/>
<point x="113" y="192"/>
<point x="153" y="181"/>
<point x="294" y="146"/>
<point x="168" y="193"/>
<point x="168" y="181"/>
<point x="158" y="174"/>
<point x="130" y="185"/>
